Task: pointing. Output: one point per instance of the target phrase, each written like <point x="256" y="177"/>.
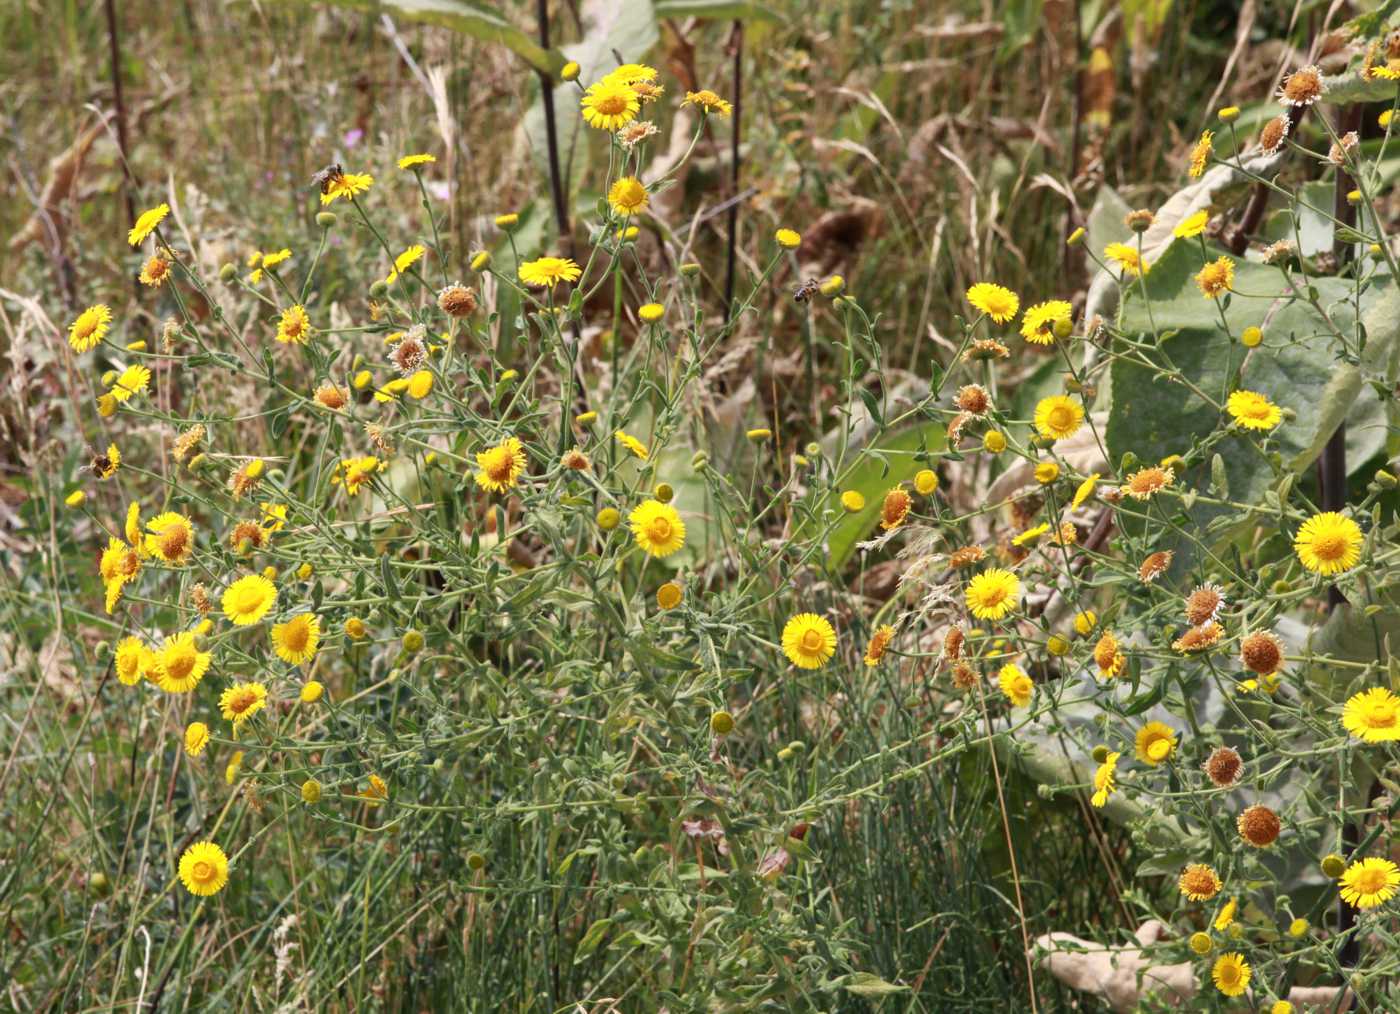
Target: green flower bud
<point x="325" y="219"/>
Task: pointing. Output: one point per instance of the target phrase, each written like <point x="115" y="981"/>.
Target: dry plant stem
<point x="556" y="182"/>
<point x="114" y="52"/>
<point x="737" y="44"/>
<point x="1238" y="239"/>
<point x="1010" y="847"/>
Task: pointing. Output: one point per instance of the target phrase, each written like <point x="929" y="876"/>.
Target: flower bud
<point x="412" y="642"/>
<point x="1333" y="865"/>
<point x="1100" y="754"/>
<point x="1076" y="237"/>
<point x="1229" y="114"/>
<point x="378" y="288"/>
<point x="721" y="723"/>
<point x="690" y="269"/>
<point x="664" y="492"/>
<point x="227" y="273"/>
<point x="75" y="498"/>
<point x="325" y="219"/>
<point x="480" y="260"/>
<point x="311" y="791"/>
<point x="1250" y="337"/>
<point x="608" y="518"/>
<point x="476" y="861"/>
<point x="833" y="286"/>
<point x="994" y="442"/>
<point x="1139" y="221"/>
<point x="569" y="71"/>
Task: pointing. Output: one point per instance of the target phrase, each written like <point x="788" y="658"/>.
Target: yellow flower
<point x="1145" y="482"/>
<point x="170" y="537"/>
<point x="632" y="444"/>
<point x="155" y="271"/>
<point x="406" y="260"/>
<point x="788" y="239"/>
<point x="420" y="384"/>
<point x="1015" y="684"/>
<point x="104" y="466"/>
<point x="1058" y="417"/>
<point x="146" y="224"/>
<point x="547" y="271"/>
<point x="1199" y="882"/>
<point x="196" y="738"/>
<point x="409" y="161"/>
<point x="133" y="381"/>
<point x="996" y="301"/>
<point x="1328" y="543"/>
<point x="1126" y="257"/>
<point x="1085" y="622"/>
<point x="1192" y="225"/>
<point x="651" y="312"/>
<point x="1216" y="278"/>
<point x="294" y="327"/>
<point x="853" y="501"/>
<point x="1047" y="472"/>
<point x="345" y="185"/>
<point x="75" y="498"/>
<point x="1038" y="322"/>
<point x="1373" y="715"/>
<point x="1370" y="882"/>
<point x="204" y="869"/>
<point x="627" y="196"/>
<point x="1253" y="411"/>
<point x="90" y="327"/>
<point x="130" y="651"/>
<point x="570" y="71"/>
<point x="248" y="599"/>
<point x="669" y="595"/>
<point x="295" y="641"/>
<point x="809" y="640"/>
<point x="1200" y="943"/>
<point x="274" y="516"/>
<point x="1103" y="779"/>
<point x="992" y="594"/>
<point x="657" y="527"/>
<point x="273" y="259"/>
<point x="242" y="701"/>
<point x="377" y="791"/>
<point x="1031" y="534"/>
<point x="1200" y="155"/>
<point x="926" y="481"/>
<point x="235" y="764"/>
<point x="608" y="518"/>
<point x="1226" y="916"/>
<point x="1231" y="974"/>
<point x="708" y="101"/>
<point x="500" y="467"/>
<point x="356" y="472"/>
<point x="1155" y="743"/>
<point x="180" y="665"/>
<point x="355" y="628"/>
<point x="609" y="105"/>
<point x="879" y="642"/>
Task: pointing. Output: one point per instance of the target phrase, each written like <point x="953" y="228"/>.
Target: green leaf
<point x="386" y="577"/>
<point x="473" y="19"/>
<point x="728" y="10"/>
<point x="592" y="939"/>
<point x="870" y="984"/>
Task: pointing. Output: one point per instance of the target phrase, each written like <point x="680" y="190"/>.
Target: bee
<point x="101" y="465"/>
<point x="324" y="178"/>
<point x="806" y="290"/>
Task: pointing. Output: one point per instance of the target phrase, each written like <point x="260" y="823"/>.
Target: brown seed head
<point x="1261" y="652"/>
<point x="964" y="676"/>
<point x="1259" y="826"/>
<point x="974" y="399"/>
<point x="1301" y="88"/>
<point x="1154" y="566"/>
<point x="1223" y="767"/>
<point x="1203" y="604"/>
<point x="1271" y="137"/>
<point x="457" y="300"/>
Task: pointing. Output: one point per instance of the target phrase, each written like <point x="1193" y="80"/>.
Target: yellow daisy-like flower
<point x="105" y="465"/>
<point x="1373" y="715"/>
<point x="130" y="651"/>
<point x="1104" y="785"/>
<point x="809" y="640"/>
<point x="548" y="271"/>
<point x="90" y="327"/>
<point x="133" y="381"/>
<point x="180" y="665"/>
<point x="274" y="516"/>
<point x="132" y="529"/>
<point x="708" y="101"/>
<point x="118" y="564"/>
<point x="1253" y="411"/>
<point x="879" y="642"/>
<point x="1129" y="262"/>
<point x="155" y="271"/>
<point x="992" y="594"/>
<point x="296" y="640"/>
<point x="248" y="599"/>
<point x="146" y="224"/>
<point x="311" y="692"/>
<point x="1200" y="154"/>
<point x="788" y="239"/>
<point x="1155" y="742"/>
<point x="406" y="260"/>
<point x="235" y="765"/>
<point x="294" y="327"/>
<point x="273" y="259"/>
<point x="1192" y="225"/>
<point x="1226" y="916"/>
<point x="996" y="301"/>
<point x="409" y="161"/>
<point x="204" y="869"/>
<point x="609" y="105"/>
<point x="632" y="444"/>
<point x="170" y="537"/>
<point x="1216" y="278"/>
<point x="1370" y="882"/>
<point x="628" y="196"/>
<point x="1031" y="534"/>
<point x="1085" y="490"/>
<point x="657" y="527"/>
<point x="1199" y="882"/>
<point x="1231" y="974"/>
<point x="631" y="73"/>
<point x="1015" y="684"/>
<point x="1108" y="656"/>
<point x="1328" y="543"/>
<point x="196" y="738"/>
<point x="1145" y="482"/>
<point x="345" y="186"/>
<point x="1058" y="417"/>
<point x="242" y="701"/>
<point x="1038" y="322"/>
<point x="500" y="467"/>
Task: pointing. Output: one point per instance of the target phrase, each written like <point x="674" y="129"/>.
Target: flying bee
<point x="103" y="464"/>
<point x="323" y="178"/>
<point x="806" y="290"/>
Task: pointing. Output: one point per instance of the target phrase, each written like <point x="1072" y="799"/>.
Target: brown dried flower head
<point x="246" y="479"/>
<point x="576" y="460"/>
<point x="1140" y="220"/>
<point x="973" y="399"/>
<point x="199" y="597"/>
<point x="1261" y="652"/>
<point x="1155" y="566"/>
<point x="1200" y="638"/>
<point x="895" y="508"/>
<point x="984" y="349"/>
<point x="1301" y="88"/>
<point x="1223" y="767"/>
<point x="1276" y="253"/>
<point x="1342" y="148"/>
<point x="187" y="442"/>
<point x="953" y="643"/>
<point x="966" y="557"/>
<point x="332" y="397"/>
<point x="247" y="531"/>
<point x="457" y="300"/>
<point x="1272" y="136"/>
<point x="964" y="676"/>
<point x="1203" y="604"/>
<point x="1259" y="826"/>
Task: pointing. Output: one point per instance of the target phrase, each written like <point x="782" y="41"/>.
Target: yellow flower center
<point x="203" y="871"/>
<point x="1369" y="881"/>
<point x="1061" y="418"/>
<point x="812" y="640"/>
<point x="993" y="596"/>
<point x="659" y="529"/>
<point x="1159" y="748"/>
<point x="611" y="104"/>
<point x="1329" y="546"/>
<point x="173" y="542"/>
<point x="84" y="327"/>
<point x="242" y="701"/>
<point x="295" y="635"/>
<point x="1380" y="715"/>
<point x="1229" y="974"/>
<point x="498" y="464"/>
<point x="180" y="666"/>
<point x="246" y="600"/>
